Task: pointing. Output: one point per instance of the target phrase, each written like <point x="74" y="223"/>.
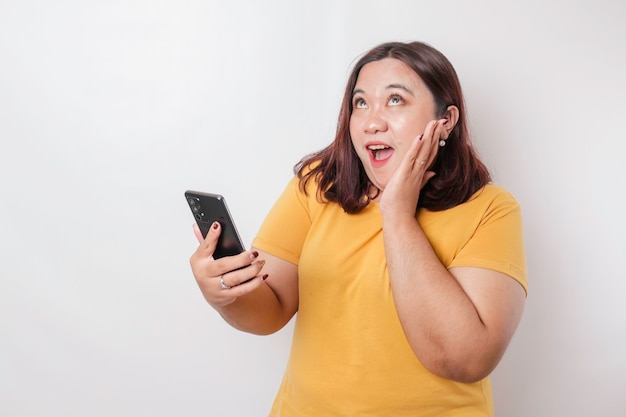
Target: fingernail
<point x="261" y="263"/>
<point x="215" y="225"/>
<point x="254" y="254"/>
<point x="421" y="137"/>
<point x="265" y="277"/>
<point x="444" y="122"/>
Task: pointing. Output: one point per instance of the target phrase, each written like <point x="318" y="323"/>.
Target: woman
<point x="405" y="264"/>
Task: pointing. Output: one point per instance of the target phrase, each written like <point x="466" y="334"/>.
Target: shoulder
<point x="489" y="203"/>
<point x="307" y="182"/>
<point x="301" y="195"/>
<point x="493" y="192"/>
<point x="490" y="198"/>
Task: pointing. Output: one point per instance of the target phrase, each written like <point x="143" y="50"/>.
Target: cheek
<point x="411" y="128"/>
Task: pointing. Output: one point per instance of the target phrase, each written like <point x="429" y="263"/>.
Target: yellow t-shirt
<point x="349" y="355"/>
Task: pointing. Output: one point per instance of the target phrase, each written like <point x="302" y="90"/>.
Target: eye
<point x="395" y="100"/>
<point x="359" y="103"/>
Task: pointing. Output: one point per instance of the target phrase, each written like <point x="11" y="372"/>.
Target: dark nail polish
<point x="265" y="277"/>
<point x="215" y="225"/>
<point x="254" y="254"/>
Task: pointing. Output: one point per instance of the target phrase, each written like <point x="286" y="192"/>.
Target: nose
<point x="375" y="123"/>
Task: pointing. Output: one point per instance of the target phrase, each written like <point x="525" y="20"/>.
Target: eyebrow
<point x="390" y="86"/>
<point x="401" y="87"/>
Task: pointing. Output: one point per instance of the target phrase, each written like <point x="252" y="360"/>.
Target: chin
<point x="382" y="178"/>
<point x="378" y="184"/>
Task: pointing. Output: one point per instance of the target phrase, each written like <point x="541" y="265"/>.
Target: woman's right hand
<point x="242" y="273"/>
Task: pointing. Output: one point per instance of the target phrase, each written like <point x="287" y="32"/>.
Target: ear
<point x="452" y="116"/>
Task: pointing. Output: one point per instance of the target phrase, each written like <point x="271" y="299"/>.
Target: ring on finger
<point x="223" y="284"/>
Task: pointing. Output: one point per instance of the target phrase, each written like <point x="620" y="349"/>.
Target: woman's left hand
<point x="402" y="191"/>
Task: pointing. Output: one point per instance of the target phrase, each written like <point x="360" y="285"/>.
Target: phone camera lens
<point x="195" y="208"/>
<point x="198" y="216"/>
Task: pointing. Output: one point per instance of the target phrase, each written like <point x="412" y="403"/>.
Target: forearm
<point x="440" y="321"/>
<point x="258" y="312"/>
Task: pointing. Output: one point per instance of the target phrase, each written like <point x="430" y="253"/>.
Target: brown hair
<point x="459" y="172"/>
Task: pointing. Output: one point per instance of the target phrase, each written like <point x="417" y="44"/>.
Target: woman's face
<point x="391" y="108"/>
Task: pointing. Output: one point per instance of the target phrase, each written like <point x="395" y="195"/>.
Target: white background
<point x="110" y="110"/>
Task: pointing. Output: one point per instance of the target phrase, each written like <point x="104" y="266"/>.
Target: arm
<point x="262" y="305"/>
<point x="458" y="321"/>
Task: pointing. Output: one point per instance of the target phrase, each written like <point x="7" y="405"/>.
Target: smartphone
<point x="207" y="208"/>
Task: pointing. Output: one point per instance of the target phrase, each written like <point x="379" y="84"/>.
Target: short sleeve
<point x="286" y="226"/>
<point x="497" y="242"/>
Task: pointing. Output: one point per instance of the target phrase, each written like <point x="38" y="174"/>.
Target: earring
<point x="442" y="143"/>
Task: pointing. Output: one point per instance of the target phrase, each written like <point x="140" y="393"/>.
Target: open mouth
<point x="380" y="152"/>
